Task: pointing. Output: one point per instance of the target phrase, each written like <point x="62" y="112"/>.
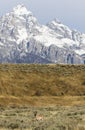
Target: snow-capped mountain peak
<point x="57" y="21"/>
<point x="23" y="39"/>
<point x="21" y="10"/>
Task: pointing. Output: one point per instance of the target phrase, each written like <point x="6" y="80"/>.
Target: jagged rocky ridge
<point x="24" y="40"/>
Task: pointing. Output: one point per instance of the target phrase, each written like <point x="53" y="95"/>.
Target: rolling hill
<point x="32" y="84"/>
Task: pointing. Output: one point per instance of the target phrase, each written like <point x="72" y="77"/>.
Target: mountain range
<point x="24" y="40"/>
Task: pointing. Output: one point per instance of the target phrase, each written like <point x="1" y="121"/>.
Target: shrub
<point x="13" y="126"/>
<point x="38" y="93"/>
<point x="83" y="83"/>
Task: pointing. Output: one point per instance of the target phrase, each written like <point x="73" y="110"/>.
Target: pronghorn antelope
<point x="38" y="117"/>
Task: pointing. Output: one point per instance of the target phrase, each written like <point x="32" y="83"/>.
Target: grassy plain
<point x="56" y="91"/>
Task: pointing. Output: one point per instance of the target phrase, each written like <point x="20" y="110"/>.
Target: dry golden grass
<point x="42" y="101"/>
<point x="41" y="84"/>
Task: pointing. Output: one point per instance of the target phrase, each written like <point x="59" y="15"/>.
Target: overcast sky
<point x="69" y="12"/>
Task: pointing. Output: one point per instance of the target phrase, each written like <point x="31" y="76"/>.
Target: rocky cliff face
<point x="24" y="40"/>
